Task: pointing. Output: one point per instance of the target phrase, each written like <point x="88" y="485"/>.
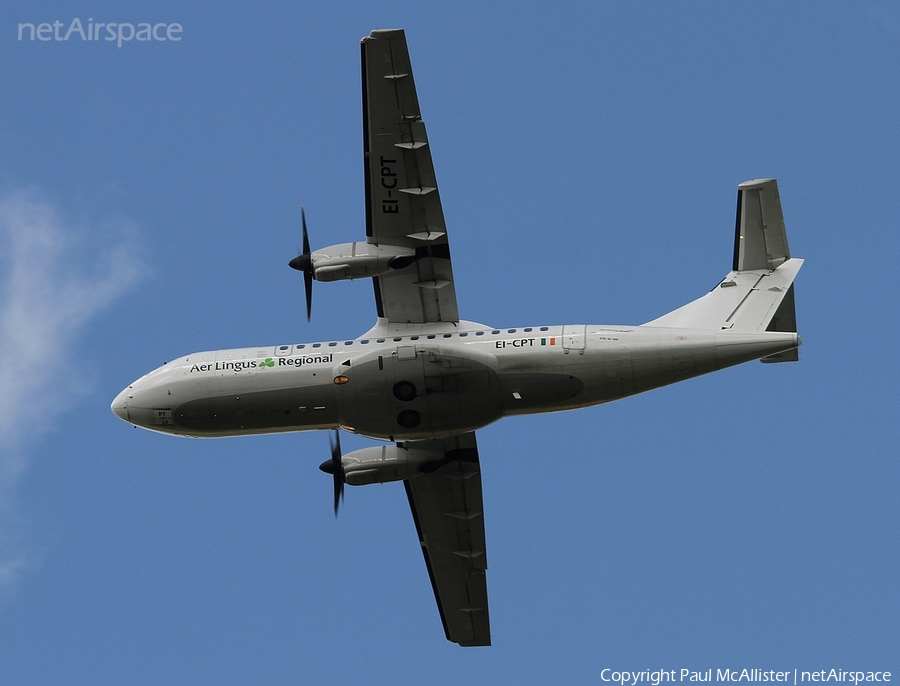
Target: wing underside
<point x="403" y="206"/>
<point x="448" y="512"/>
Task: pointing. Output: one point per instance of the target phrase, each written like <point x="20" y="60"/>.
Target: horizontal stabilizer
<point x="785" y="319"/>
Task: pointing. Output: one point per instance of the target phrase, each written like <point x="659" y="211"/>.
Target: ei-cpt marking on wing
<point x="425" y="380"/>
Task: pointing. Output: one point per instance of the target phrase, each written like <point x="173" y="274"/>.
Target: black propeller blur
<point x="335" y="467"/>
<point x="303" y="263"/>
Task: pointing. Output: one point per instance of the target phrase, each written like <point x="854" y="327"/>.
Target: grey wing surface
<point x="403" y="206"/>
<point x="448" y="512"/>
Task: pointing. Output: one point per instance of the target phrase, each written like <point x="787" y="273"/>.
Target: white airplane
<point x="426" y="380"/>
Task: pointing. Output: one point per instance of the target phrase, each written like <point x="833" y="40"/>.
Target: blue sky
<point x="588" y="156"/>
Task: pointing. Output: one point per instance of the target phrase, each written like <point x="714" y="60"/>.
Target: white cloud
<point x="55" y="276"/>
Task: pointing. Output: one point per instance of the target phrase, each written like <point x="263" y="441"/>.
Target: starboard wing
<point x="448" y="512"/>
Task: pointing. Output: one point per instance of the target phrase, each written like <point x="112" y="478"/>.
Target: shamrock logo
<point x="268" y="362"/>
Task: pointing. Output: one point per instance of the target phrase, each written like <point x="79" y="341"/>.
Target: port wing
<point x="403" y="205"/>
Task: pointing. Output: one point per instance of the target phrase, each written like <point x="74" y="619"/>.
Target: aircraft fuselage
<point x="447" y="380"/>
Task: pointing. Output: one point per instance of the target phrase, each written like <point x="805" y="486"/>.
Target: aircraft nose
<point x="120" y="406"/>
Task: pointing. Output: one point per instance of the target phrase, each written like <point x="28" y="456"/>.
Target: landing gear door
<point x="573" y="338"/>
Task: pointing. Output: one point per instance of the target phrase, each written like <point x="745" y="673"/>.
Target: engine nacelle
<point x="358" y="260"/>
<point x="378" y="465"/>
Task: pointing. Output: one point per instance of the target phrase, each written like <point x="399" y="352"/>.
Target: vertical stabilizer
<point x="758" y="295"/>
<point x="760" y="241"/>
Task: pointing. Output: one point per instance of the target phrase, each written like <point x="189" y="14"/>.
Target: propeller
<point x="303" y="263"/>
<point x="335" y="467"/>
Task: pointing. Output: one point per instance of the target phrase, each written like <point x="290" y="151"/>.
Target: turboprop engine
<point x="349" y="261"/>
<point x="354" y="261"/>
<point x="380" y="464"/>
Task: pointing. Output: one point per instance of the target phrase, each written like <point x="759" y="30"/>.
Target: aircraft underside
<point x="425" y="380"/>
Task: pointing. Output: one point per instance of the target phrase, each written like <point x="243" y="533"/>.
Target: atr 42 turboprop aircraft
<point x="426" y="380"/>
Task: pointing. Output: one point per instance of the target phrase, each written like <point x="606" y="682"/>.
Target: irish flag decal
<point x="548" y="341"/>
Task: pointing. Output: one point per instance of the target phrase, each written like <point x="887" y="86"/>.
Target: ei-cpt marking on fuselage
<point x="520" y="343"/>
<point x="524" y="343"/>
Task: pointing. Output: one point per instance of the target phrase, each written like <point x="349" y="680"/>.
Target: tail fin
<point x="760" y="241"/>
<point x="758" y="294"/>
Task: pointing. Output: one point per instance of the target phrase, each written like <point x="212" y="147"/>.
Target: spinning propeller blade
<point x="303" y="263"/>
<point x="338" y="470"/>
<point x="335" y="467"/>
